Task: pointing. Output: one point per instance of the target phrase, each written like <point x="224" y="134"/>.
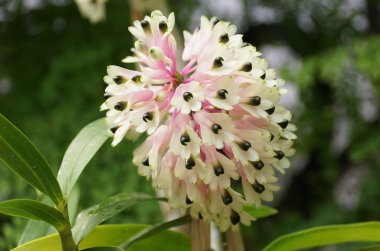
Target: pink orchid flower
<point x="213" y="126"/>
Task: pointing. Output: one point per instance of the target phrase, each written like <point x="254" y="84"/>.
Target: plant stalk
<point x="234" y="240"/>
<point x="67" y="241"/>
<point x="200" y="235"/>
<point x="65" y="234"/>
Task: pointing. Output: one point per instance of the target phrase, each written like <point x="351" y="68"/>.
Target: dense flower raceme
<point x="213" y="127"/>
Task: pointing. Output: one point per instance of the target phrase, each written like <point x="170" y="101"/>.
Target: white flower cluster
<point x="214" y="127"/>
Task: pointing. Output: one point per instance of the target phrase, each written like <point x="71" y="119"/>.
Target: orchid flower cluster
<point x="215" y="127"/>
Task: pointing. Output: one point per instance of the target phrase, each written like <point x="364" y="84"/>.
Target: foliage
<point x="114" y="235"/>
<point x="16" y="146"/>
<point x="322" y="236"/>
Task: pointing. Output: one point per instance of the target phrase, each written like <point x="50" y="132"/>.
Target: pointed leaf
<point x="23" y="158"/>
<point x="37" y="229"/>
<point x="34" y="210"/>
<point x="33" y="230"/>
<point x="327" y="235"/>
<point x="80" y="152"/>
<point x="114" y="235"/>
<point x="73" y="203"/>
<point x="370" y="248"/>
<point x="88" y="219"/>
<point x="103" y="249"/>
<point x="261" y="212"/>
<point x="153" y="230"/>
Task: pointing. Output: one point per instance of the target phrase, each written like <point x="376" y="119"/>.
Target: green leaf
<point x="33" y="230"/>
<point x="80" y="152"/>
<point x="88" y="219"/>
<point x="261" y="212"/>
<point x="103" y="249"/>
<point x="34" y="210"/>
<point x="23" y="158"/>
<point x="73" y="203"/>
<point x="36" y="229"/>
<point x="327" y="235"/>
<point x="153" y="230"/>
<point x="370" y="248"/>
<point x="114" y="235"/>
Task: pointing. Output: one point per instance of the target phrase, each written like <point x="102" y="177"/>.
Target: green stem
<point x="66" y="236"/>
<point x="67" y="241"/>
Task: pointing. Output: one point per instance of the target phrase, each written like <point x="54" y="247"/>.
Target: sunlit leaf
<point x="114" y="235"/>
<point x="263" y="211"/>
<point x="370" y="248"/>
<point x="80" y="152"/>
<point x="153" y="230"/>
<point x="34" y="210"/>
<point x="88" y="219"/>
<point x="23" y="158"/>
<point x="36" y="229"/>
<point x="327" y="235"/>
<point x="73" y="203"/>
<point x="33" y="230"/>
<point x="103" y="249"/>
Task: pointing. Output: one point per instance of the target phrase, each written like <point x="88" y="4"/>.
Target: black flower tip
<point x="255" y="101"/>
<point x="227" y="198"/>
<point x="190" y="163"/>
<point x="247" y="67"/>
<point x="279" y="154"/>
<point x="283" y="124"/>
<point x="187" y="96"/>
<point x="119" y="79"/>
<point x="114" y="129"/>
<point x="145" y="25"/>
<point x="163" y="26"/>
<point x="271" y="137"/>
<point x="218" y="170"/>
<point x="145" y="161"/>
<point x="136" y="79"/>
<point x="188" y="201"/>
<point x="245" y="145"/>
<point x="148" y="117"/>
<point x="258" y="165"/>
<point x="222" y="93"/>
<point x="270" y="110"/>
<point x="216" y="20"/>
<point x="216" y="128"/>
<point x="119" y="106"/>
<point x="235" y="217"/>
<point x="218" y="62"/>
<point x="224" y="38"/>
<point x="263" y="76"/>
<point x="259" y="188"/>
<point x="185" y="139"/>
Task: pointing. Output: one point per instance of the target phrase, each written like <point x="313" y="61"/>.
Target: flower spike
<point x="214" y="121"/>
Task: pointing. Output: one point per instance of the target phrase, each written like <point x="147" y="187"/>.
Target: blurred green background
<point x="52" y="61"/>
